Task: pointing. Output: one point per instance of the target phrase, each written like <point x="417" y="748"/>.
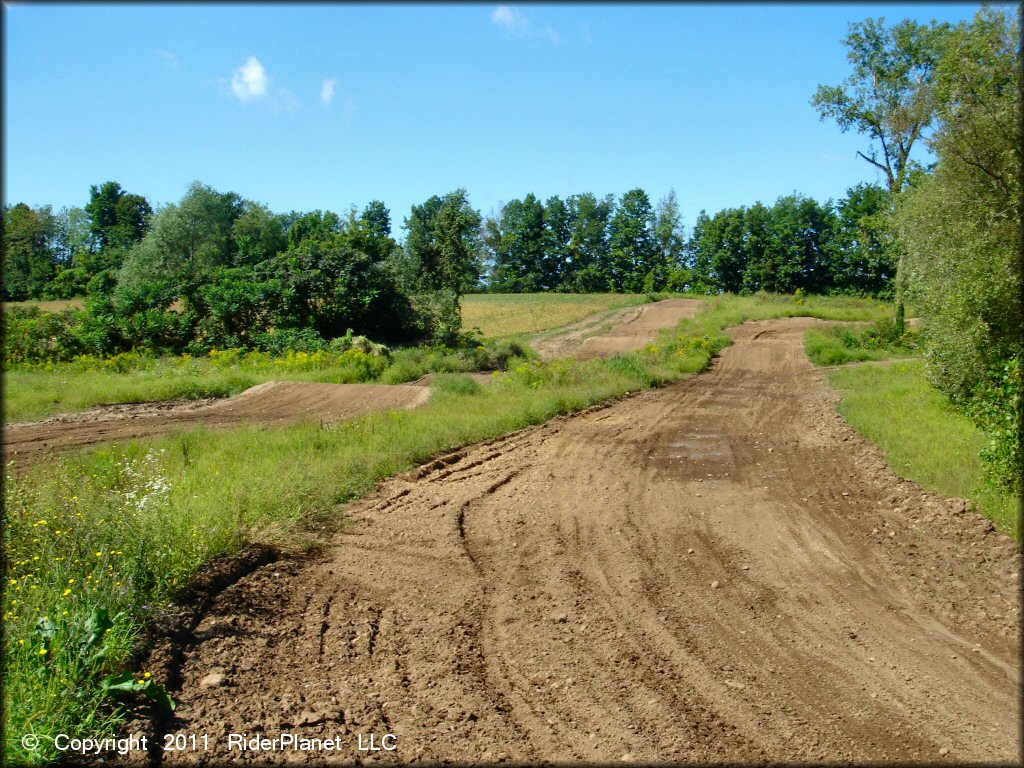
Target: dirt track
<point x="721" y="570"/>
<point x="623" y="331"/>
<point x="276" y="403"/>
<point x="272" y="403"/>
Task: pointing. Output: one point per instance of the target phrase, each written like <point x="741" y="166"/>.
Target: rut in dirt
<point x="720" y="570"/>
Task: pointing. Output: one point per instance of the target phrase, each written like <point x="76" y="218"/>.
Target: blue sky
<point x="324" y="106"/>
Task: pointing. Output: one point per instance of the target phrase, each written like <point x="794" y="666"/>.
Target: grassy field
<point x="106" y="537"/>
<point x="923" y="437"/>
<point x="500" y="315"/>
<point x="57" y="305"/>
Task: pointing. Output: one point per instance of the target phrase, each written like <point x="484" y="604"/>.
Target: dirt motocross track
<point x="720" y="570"/>
<point x="272" y="403"/>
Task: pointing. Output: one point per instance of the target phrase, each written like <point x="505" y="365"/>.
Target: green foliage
<point x="996" y="409"/>
<point x="890" y="95"/>
<point x="838" y="344"/>
<point x="32" y="336"/>
<point x="963" y="236"/>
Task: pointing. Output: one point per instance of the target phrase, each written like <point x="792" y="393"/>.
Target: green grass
<point x="500" y="315"/>
<point x="924" y="438"/>
<point x="127" y="527"/>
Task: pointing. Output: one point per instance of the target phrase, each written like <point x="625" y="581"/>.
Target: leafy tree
<point x="185" y="241"/>
<point x="962" y="224"/>
<point x="443" y="242"/>
<point x="669" y="244"/>
<point x="891" y="96"/>
<point x="517" y="242"/>
<point x="72" y="235"/>
<point x="587" y="268"/>
<point x="370" y="231"/>
<point x="28" y="262"/>
<point x="316" y="225"/>
<point x="860" y="258"/>
<point x="258" y="234"/>
<point x="116" y="218"/>
<point x="330" y="287"/>
<point x="631" y="242"/>
<point x="557" y="238"/>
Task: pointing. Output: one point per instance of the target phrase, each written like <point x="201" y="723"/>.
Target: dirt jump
<point x="720" y="570"/>
<point x="626" y="330"/>
<point x="270" y="404"/>
<point x="277" y="403"/>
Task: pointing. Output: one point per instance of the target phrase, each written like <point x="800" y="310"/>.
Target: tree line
<point x="239" y="269"/>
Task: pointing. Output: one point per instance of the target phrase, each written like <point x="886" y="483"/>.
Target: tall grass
<point x="924" y="438"/>
<point x="119" y="531"/>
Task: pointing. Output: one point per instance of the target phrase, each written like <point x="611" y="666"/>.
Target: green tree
<point x="891" y="96"/>
<point x="258" y="234"/>
<point x="587" y="269"/>
<point x="557" y="238"/>
<point x="443" y="246"/>
<point x="517" y="243"/>
<point x="631" y="242"/>
<point x="669" y="244"/>
<point x="28" y="260"/>
<point x="962" y="229"/>
<point x="184" y="242"/>
<point x="116" y="218"/>
<point x="860" y="260"/>
<point x="962" y="224"/>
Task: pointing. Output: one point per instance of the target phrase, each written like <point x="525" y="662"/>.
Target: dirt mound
<point x="271" y="403"/>
<point x="623" y="331"/>
<point x="721" y="570"/>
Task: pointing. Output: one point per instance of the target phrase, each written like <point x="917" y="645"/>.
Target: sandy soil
<point x="623" y="331"/>
<point x="272" y="403"/>
<point x="720" y="570"/>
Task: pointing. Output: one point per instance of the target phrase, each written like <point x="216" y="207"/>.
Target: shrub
<point x="997" y="410"/>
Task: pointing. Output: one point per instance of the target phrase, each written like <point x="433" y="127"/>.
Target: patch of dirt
<point x="720" y="570"/>
<point x="623" y="331"/>
<point x="272" y="403"/>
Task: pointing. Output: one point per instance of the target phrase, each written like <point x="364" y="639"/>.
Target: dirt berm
<point x="271" y="404"/>
<point x="720" y="570"/>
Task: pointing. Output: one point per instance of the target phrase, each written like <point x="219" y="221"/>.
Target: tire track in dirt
<point x="720" y="570"/>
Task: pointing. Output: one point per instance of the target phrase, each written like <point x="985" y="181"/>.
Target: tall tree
<point x="587" y="270"/>
<point x="557" y="236"/>
<point x="443" y="244"/>
<point x="28" y="262"/>
<point x="517" y="243"/>
<point x="631" y="240"/>
<point x="116" y="218"/>
<point x="891" y="96"/>
<point x="669" y="239"/>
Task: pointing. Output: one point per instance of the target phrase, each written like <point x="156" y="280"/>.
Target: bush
<point x="33" y="336"/>
<point x="997" y="410"/>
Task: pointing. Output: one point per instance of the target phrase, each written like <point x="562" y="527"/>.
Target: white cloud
<point x="511" y="18"/>
<point x="169" y="58"/>
<point x="517" y="23"/>
<point x="250" y="80"/>
<point x="327" y="92"/>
